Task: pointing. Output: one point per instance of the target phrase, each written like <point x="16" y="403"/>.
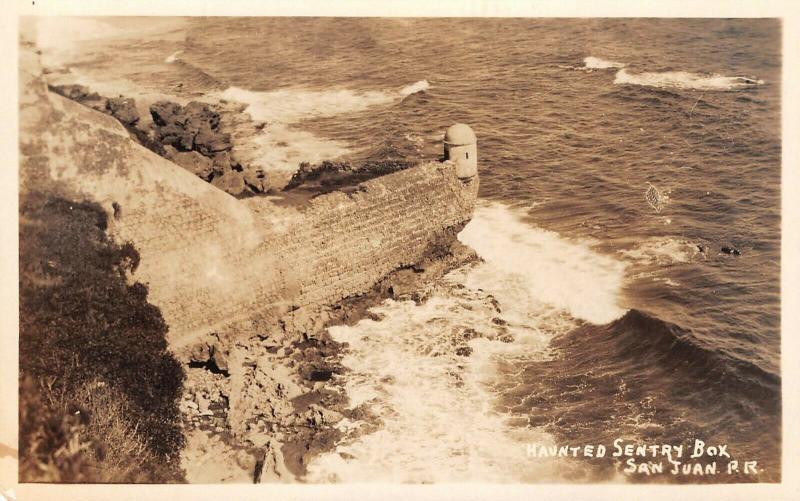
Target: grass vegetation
<point x="98" y="389"/>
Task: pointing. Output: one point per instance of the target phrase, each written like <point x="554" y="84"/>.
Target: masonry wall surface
<point x="210" y="259"/>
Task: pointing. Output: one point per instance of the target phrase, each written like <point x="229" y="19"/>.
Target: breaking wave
<point x="685" y="80"/>
<point x="280" y="146"/>
<point x="556" y="270"/>
<point x="293" y="105"/>
<point x="426" y="372"/>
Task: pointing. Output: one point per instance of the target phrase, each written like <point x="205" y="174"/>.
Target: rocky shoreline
<point x="197" y="136"/>
<point x="262" y="400"/>
<point x="263" y="397"/>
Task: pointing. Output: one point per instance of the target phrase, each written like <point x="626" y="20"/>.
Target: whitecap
<point x="596" y="63"/>
<point x="420" y="86"/>
<point x="685" y="80"/>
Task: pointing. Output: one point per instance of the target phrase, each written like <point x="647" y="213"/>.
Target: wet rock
<point x="193" y="127"/>
<point x="231" y="182"/>
<point x="123" y="109"/>
<point x="198" y="115"/>
<point x="731" y="251"/>
<point x="464" y="351"/>
<point x="81" y="94"/>
<point x="223" y="162"/>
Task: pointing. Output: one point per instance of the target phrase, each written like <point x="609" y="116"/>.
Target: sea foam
<point x="437" y="407"/>
<point x="567" y="274"/>
<point x="281" y="146"/>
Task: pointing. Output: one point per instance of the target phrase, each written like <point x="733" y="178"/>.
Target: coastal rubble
<point x="269" y="397"/>
<point x="195" y="136"/>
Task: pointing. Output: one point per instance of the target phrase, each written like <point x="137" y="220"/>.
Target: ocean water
<point x="596" y="314"/>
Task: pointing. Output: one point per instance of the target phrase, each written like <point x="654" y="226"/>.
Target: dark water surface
<point x="690" y="345"/>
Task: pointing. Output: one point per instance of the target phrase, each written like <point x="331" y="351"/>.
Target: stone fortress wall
<point x="210" y="259"/>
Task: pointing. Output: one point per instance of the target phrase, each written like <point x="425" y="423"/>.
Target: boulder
<point x="220" y="357"/>
<point x="164" y="112"/>
<point x="223" y="162"/>
<point x="195" y="163"/>
<point x="75" y="92"/>
<point x="231" y="182"/>
<point x="83" y="95"/>
<point x="175" y="135"/>
<point x="209" y="141"/>
<point x="200" y="353"/>
<point x="317" y="416"/>
<point x="199" y="114"/>
<point x="123" y="109"/>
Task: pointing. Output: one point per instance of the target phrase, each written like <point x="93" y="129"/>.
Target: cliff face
<point x="210" y="259"/>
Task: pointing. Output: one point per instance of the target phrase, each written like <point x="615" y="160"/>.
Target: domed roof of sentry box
<point x="459" y="134"/>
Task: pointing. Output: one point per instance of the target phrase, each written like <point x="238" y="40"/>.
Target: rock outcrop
<point x="191" y="136"/>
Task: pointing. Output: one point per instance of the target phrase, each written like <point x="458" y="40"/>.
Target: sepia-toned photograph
<point x="405" y="250"/>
